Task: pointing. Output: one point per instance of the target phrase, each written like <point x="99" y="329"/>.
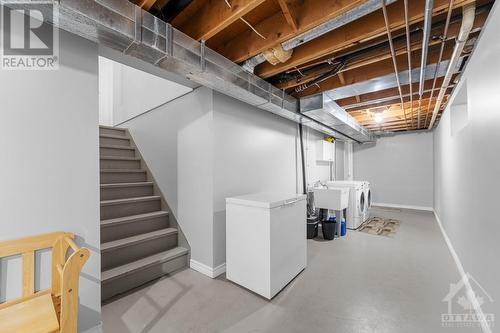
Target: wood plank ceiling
<point x="359" y="50"/>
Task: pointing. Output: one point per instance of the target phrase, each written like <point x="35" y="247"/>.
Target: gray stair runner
<point x="119" y="279"/>
<point x="137" y="243"/>
<point x="126" y="190"/>
<point x="120" y="162"/>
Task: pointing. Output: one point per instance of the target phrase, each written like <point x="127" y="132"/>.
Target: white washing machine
<point x="357" y="202"/>
<point x="368" y="199"/>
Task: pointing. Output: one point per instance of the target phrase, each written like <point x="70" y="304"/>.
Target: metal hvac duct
<point x="388" y="81"/>
<point x="324" y="109"/>
<point x="125" y="27"/>
<point x="381" y="100"/>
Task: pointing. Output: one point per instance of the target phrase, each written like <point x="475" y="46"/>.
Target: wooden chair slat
<point x="28" y="273"/>
<point x="56" y="307"/>
<point x="71" y="243"/>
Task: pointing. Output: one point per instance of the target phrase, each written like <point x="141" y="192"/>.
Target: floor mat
<point x="380" y="226"/>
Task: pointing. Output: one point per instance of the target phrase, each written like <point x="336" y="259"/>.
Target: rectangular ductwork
<point x="324" y="109"/>
<point x="388" y="81"/>
<point x="125" y="27"/>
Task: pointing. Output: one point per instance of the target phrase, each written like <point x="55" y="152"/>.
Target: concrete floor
<point x="362" y="283"/>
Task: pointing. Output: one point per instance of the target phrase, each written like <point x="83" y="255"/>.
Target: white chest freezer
<point x="266" y="240"/>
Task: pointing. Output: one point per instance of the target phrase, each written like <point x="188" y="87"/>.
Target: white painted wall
<point x="349" y="161"/>
<point x="175" y="140"/>
<point x="467" y="164"/>
<point x="399" y="169"/>
<point x="126" y="92"/>
<point x="339" y="160"/>
<point x="49" y="173"/>
<point x="317" y="170"/>
<point x="106" y="92"/>
<point x="204" y="147"/>
<point x="254" y="151"/>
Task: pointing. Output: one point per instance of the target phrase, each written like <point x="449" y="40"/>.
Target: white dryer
<point x="357" y="203"/>
<point x="368" y="199"/>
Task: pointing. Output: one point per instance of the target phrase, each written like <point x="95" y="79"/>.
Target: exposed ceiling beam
<point x="147" y="4"/>
<point x="392" y="108"/>
<point x="368" y="59"/>
<point x="388" y="127"/>
<point x="379" y="54"/>
<point x="383" y="68"/>
<point x="364" y="29"/>
<point x="351" y="103"/>
<point x="390" y="123"/>
<point x="287" y="12"/>
<point x="276" y="29"/>
<point x="341" y="78"/>
<point x="329" y="57"/>
<point x="394" y="100"/>
<point x="204" y="19"/>
<point x="393" y="116"/>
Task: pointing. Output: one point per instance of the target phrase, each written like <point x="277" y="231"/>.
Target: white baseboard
<point x="380" y="204"/>
<point x="207" y="270"/>
<point x="219" y="270"/>
<point x="463" y="275"/>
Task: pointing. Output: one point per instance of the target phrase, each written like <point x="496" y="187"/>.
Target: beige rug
<point x="380" y="226"/>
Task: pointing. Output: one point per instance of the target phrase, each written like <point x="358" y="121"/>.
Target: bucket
<point x="312" y="227"/>
<point x="312" y="230"/>
<point x="328" y="228"/>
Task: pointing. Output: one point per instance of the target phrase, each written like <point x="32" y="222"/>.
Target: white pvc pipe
<point x="469" y="14"/>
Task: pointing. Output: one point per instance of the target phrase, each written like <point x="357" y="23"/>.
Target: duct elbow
<point x="277" y="54"/>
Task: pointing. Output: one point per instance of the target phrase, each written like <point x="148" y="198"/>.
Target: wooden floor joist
<point x="242" y="29"/>
<point x="373" y="97"/>
<point x="203" y="19"/>
<point x="373" y="57"/>
<point x="364" y="29"/>
<point x="276" y="29"/>
<point x="286" y="8"/>
<point x="383" y="68"/>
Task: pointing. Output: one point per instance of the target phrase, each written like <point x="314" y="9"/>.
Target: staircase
<point x="137" y="243"/>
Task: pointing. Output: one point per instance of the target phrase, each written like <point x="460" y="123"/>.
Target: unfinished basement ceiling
<point x="352" y="62"/>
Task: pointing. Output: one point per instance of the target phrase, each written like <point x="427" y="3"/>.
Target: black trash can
<point x="328" y="228"/>
<point x="312" y="228"/>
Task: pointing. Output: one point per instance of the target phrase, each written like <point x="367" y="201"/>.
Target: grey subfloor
<point x="362" y="283"/>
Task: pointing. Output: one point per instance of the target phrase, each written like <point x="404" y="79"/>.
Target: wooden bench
<point x="50" y="310"/>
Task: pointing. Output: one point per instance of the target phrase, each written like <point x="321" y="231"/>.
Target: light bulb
<point x="378" y="118"/>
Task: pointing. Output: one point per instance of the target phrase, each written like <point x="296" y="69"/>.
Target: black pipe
<point x="297" y="76"/>
<point x="303" y="159"/>
<point x="321" y="78"/>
